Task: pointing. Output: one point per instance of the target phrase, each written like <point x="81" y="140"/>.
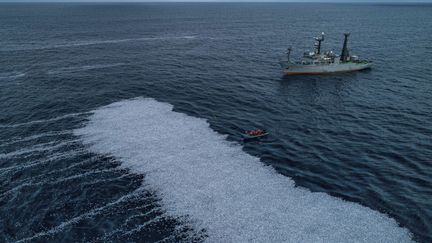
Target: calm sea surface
<point x="363" y="137"/>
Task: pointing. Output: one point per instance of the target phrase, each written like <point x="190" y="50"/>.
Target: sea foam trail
<point x="33" y="137"/>
<point x="92" y="213"/>
<point x="93" y="42"/>
<point x="72" y="115"/>
<point x="84" y="68"/>
<point x="50" y="146"/>
<point x="219" y="187"/>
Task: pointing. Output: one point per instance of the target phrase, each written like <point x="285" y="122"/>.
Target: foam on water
<point x="84" y="68"/>
<point x="11" y="75"/>
<point x="67" y="116"/>
<point x="77" y="219"/>
<point x="37" y="148"/>
<point x="46" y="160"/>
<point x="33" y="137"/>
<point x="58" y="181"/>
<point x="89" y="43"/>
<point x="212" y="183"/>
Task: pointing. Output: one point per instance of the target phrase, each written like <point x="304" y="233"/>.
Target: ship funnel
<point x="318" y="44"/>
<point x="345" y="54"/>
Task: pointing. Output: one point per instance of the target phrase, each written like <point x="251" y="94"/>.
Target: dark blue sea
<point x="123" y="123"/>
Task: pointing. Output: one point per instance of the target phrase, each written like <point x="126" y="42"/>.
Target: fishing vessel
<point x="316" y="62"/>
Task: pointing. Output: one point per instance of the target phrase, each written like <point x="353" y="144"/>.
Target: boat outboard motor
<point x="345" y="53"/>
<point x="318" y="45"/>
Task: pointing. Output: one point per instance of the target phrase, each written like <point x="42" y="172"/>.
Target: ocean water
<point x="123" y="122"/>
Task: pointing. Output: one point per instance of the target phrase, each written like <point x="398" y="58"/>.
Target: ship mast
<point x="345" y="53"/>
<point x="318" y="44"/>
<point x="289" y="53"/>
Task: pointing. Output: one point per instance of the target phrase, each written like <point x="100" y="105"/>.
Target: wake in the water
<point x="17" y="140"/>
<point x="72" y="115"/>
<point x="75" y="220"/>
<point x="210" y="183"/>
<point x="83" y="68"/>
<point x="49" y="146"/>
<point x="89" y="43"/>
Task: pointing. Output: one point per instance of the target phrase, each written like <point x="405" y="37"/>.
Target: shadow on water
<point x="312" y="88"/>
<point x="324" y="86"/>
<point x="330" y="76"/>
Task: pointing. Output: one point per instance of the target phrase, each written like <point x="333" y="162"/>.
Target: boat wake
<point x="75" y="220"/>
<point x="90" y="43"/>
<point x="67" y="116"/>
<point x="83" y="68"/>
<point x="212" y="184"/>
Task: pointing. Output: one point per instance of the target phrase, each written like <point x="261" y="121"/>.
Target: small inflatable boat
<point x="257" y="133"/>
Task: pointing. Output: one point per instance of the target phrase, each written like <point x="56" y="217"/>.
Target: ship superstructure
<point x="316" y="62"/>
